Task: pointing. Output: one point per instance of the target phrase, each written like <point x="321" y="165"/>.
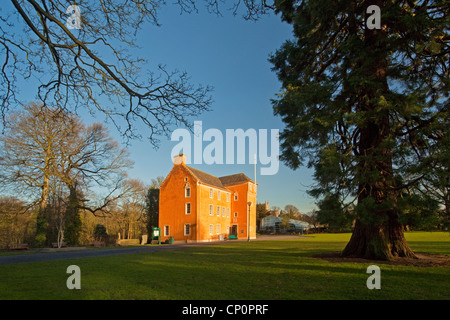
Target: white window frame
<point x="211" y="229"/>
<point x="223" y="212"/>
<point x="211" y="193"/>
<point x="188" y="229"/>
<point x="187" y="188"/>
<point x="218" y="211"/>
<point x="228" y="197"/>
<point x="218" y="194"/>
<point x="228" y="212"/>
<point x="166" y="231"/>
<point x="211" y="210"/>
<point x="186" y="206"/>
<point x="235" y="214"/>
<point x="236" y="196"/>
<point x="218" y="227"/>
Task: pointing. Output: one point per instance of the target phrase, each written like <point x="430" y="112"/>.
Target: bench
<point x="232" y="237"/>
<point x="128" y="242"/>
<point x="18" y="246"/>
<point x="55" y="245"/>
<point x="98" y="244"/>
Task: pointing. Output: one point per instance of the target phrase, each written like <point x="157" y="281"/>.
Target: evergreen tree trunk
<point x="377" y="234"/>
<point x="367" y="104"/>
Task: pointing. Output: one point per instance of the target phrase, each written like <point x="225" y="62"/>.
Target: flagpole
<point x="254" y="159"/>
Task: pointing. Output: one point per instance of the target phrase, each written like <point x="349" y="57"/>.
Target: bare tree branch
<point x="74" y="72"/>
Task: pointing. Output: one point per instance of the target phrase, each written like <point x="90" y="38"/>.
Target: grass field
<point x="263" y="270"/>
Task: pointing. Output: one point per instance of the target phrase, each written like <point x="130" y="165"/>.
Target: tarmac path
<point x="63" y="253"/>
<point x="74" y="253"/>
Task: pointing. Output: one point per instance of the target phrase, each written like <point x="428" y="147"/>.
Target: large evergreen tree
<point x="152" y="209"/>
<point x="73" y="223"/>
<point x="367" y="106"/>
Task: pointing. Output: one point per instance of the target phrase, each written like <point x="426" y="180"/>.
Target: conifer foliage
<point x="367" y="107"/>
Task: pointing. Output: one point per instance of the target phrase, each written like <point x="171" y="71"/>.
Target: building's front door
<point x="234" y="230"/>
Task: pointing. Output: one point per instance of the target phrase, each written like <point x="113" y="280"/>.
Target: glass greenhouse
<point x="271" y="223"/>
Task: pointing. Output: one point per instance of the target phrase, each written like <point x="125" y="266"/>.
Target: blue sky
<point x="231" y="55"/>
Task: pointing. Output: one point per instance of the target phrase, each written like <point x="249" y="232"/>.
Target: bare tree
<point x="292" y="211"/>
<point x="15" y="218"/>
<point x="31" y="149"/>
<point x="92" y="67"/>
<point x="133" y="206"/>
<point x="93" y="158"/>
<point x="156" y="182"/>
<point x="249" y="9"/>
<point x="46" y="147"/>
<point x="44" y="144"/>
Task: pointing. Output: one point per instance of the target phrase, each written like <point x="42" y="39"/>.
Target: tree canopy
<point x="366" y="107"/>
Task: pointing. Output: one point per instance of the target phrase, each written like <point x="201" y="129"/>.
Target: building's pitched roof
<point x="207" y="178"/>
<point x="234" y="179"/>
<point x="216" y="182"/>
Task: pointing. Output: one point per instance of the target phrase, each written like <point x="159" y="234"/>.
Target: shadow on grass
<point x="261" y="271"/>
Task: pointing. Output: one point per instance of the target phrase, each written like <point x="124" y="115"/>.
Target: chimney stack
<point x="179" y="159"/>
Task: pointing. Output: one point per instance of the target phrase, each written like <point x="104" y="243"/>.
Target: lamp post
<point x="248" y="221"/>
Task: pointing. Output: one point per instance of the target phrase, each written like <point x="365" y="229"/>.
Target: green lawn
<point x="234" y="270"/>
